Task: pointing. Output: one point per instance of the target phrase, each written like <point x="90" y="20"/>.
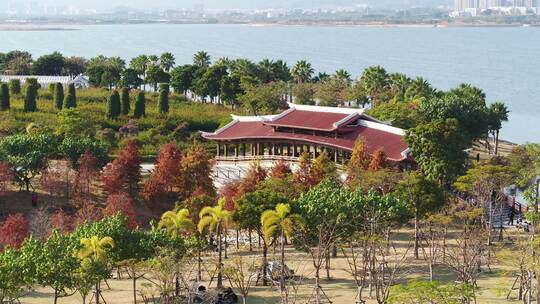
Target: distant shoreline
<point x="6" y="27"/>
<point x="32" y="28"/>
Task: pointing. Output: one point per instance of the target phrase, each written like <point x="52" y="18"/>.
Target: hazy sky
<point x="237" y="4"/>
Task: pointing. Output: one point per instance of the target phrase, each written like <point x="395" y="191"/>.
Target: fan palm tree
<point x="216" y="219"/>
<point x="342" y="74"/>
<point x="266" y="70"/>
<point x="302" y="71"/>
<point x="176" y="223"/>
<point x="281" y="70"/>
<point x="399" y="83"/>
<point x="419" y="88"/>
<point x="280" y="221"/>
<point x="166" y="61"/>
<point x="201" y="59"/>
<point x="374" y="80"/>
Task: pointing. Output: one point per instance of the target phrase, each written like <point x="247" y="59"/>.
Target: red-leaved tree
<point x="121" y="203"/>
<point x="255" y="174"/>
<point x="231" y="191"/>
<point x="88" y="212"/>
<point x="167" y="168"/>
<point x="378" y="161"/>
<point x="86" y="175"/>
<point x="14" y="231"/>
<point x="6" y="177"/>
<point x="62" y="221"/>
<point x="124" y="172"/>
<point x="281" y="169"/>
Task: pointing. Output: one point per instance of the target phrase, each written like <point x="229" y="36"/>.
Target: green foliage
<point x="124" y="100"/>
<point x="72" y="147"/>
<point x="72" y="123"/>
<point x="59" y="95"/>
<point x="431" y="292"/>
<point x="27" y="155"/>
<point x="164" y="98"/>
<point x="30" y="96"/>
<point x="422" y="195"/>
<point x="525" y="167"/>
<point x="13" y="275"/>
<point x="262" y="99"/>
<point x="4" y="97"/>
<point x="114" y="107"/>
<point x="140" y="106"/>
<point x="439" y="148"/>
<point x="70" y="101"/>
<point x="51" y="64"/>
<point x="400" y="114"/>
<point x="15" y="86"/>
<point x="182" y="77"/>
<point x="250" y="207"/>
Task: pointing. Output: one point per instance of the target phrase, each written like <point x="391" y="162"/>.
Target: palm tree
<point x="498" y="113"/>
<point x="176" y="223"/>
<point x="166" y="61"/>
<point x="302" y="71"/>
<point x="399" y="83"/>
<point x="94" y="249"/>
<point x="281" y="71"/>
<point x="419" y="88"/>
<point x="266" y="70"/>
<point x="342" y="74"/>
<point x="201" y="59"/>
<point x="374" y="81"/>
<point x="216" y="219"/>
<point x="280" y="221"/>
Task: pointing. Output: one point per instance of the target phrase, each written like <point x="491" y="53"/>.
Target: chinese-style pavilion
<point x="305" y="128"/>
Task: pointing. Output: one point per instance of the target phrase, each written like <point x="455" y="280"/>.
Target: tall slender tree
<point x="113" y="108"/>
<point x="59" y="95"/>
<point x="30" y="96"/>
<point x="216" y="219"/>
<point x="4" y="96"/>
<point x="70" y="101"/>
<point x="164" y="98"/>
<point x="124" y="100"/>
<point x="140" y="105"/>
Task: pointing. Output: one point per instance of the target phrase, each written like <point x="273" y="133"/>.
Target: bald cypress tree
<point x="164" y="98"/>
<point x="124" y="100"/>
<point x="30" y="95"/>
<point x="70" y="101"/>
<point x="4" y="96"/>
<point x="140" y="106"/>
<point x="59" y="95"/>
<point x="113" y="109"/>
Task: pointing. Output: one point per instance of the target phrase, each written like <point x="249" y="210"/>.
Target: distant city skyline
<point x="49" y="6"/>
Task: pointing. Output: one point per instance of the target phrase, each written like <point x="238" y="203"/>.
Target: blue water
<point x="505" y="62"/>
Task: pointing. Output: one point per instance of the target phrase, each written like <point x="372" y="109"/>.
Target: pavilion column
<point x="294" y="150"/>
<point x="314" y="147"/>
<point x="244" y="150"/>
<point x="226" y="150"/>
<point x="273" y="149"/>
<point x="218" y="147"/>
<point x="236" y="150"/>
<point x="335" y="155"/>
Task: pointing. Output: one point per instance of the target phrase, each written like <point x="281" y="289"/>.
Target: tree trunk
<point x="97" y="293"/>
<point x="55" y="296"/>
<point x="237" y="239"/>
<point x="134" y="288"/>
<point x="284" y="299"/>
<point x="317" y="285"/>
<point x="220" y="276"/>
<point x="199" y="262"/>
<point x="250" y="243"/>
<point x="265" y="264"/>
<point x="416" y="232"/>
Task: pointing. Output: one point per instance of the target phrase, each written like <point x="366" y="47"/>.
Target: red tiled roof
<point x="393" y="144"/>
<point x="311" y="120"/>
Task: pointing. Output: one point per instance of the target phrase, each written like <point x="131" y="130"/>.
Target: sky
<point x="235" y="4"/>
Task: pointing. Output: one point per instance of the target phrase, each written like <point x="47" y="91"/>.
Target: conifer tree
<point x="4" y="97"/>
<point x="124" y="100"/>
<point x="167" y="168"/>
<point x="30" y="96"/>
<point x="113" y="109"/>
<point x="15" y="86"/>
<point x="164" y="98"/>
<point x="140" y="106"/>
<point x="70" y="101"/>
<point x="59" y="95"/>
